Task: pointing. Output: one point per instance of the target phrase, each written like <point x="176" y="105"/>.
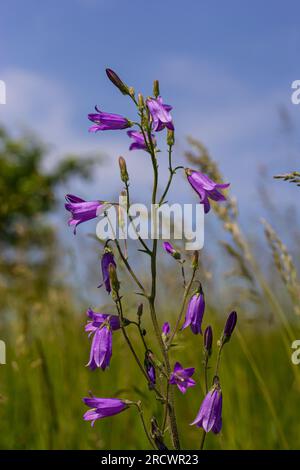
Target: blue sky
<point x="226" y="67"/>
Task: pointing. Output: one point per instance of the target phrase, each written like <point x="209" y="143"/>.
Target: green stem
<point x="139" y="407"/>
<point x="202" y="439"/>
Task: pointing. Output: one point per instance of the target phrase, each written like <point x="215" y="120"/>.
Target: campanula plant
<point x="162" y="372"/>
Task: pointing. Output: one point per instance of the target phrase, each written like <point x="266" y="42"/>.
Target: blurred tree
<point x="27" y="192"/>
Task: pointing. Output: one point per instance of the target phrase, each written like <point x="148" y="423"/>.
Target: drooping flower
<point x="81" y="210"/>
<point x="182" y="377"/>
<point x="168" y="247"/>
<point x="160" y="114"/>
<point x="97" y="319"/>
<point x="103" y="407"/>
<point x="194" y="313"/>
<point x="115" y="79"/>
<point x="208" y="339"/>
<point x="107" y="121"/>
<point x="229" y="326"/>
<point x="209" y="416"/>
<point x="149" y="367"/>
<point x="205" y="188"/>
<point x="101" y="327"/>
<point x="138" y="140"/>
<point x="165" y="331"/>
<point x="106" y="260"/>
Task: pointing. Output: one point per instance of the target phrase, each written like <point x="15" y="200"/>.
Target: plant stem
<point x="139" y="407"/>
<point x="202" y="439"/>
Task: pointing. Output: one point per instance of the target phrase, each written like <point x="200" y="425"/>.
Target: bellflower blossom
<point x="209" y="416"/>
<point x="160" y="114"/>
<point x="107" y="121"/>
<point x="101" y="326"/>
<point x="106" y="260"/>
<point x="103" y="407"/>
<point x="205" y="188"/>
<point x="194" y="313"/>
<point x="182" y="377"/>
<point x="81" y="210"/>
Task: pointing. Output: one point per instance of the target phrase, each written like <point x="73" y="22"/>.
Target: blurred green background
<point x="43" y="315"/>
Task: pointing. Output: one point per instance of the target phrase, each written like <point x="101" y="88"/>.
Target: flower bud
<point x="156" y="88"/>
<point x="208" y="339"/>
<point x="115" y="79"/>
<point x="170" y="137"/>
<point x="140" y="310"/>
<point x="123" y="170"/>
<point x="229" y="326"/>
<point x="131" y="92"/>
<point x="141" y="102"/>
<point x="165" y="332"/>
<point x="168" y="247"/>
<point x="195" y="260"/>
<point x="157" y="435"/>
<point x="149" y="367"/>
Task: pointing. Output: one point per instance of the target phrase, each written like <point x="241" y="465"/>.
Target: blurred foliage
<point x="27" y="195"/>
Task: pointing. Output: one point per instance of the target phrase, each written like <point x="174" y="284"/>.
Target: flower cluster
<point x="156" y="368"/>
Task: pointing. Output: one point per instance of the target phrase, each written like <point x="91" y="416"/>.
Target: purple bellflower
<point x="81" y="210"/>
<point x="160" y="114"/>
<point x="106" y="260"/>
<point x="182" y="377"/>
<point x="209" y="416"/>
<point x="205" y="188"/>
<point x="138" y="141"/>
<point x="103" y="407"/>
<point x="101" y="326"/>
<point x="168" y="247"/>
<point x="107" y="121"/>
<point x="194" y="313"/>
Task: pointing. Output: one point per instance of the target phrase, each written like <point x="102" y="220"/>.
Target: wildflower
<point x="229" y="326"/>
<point x="115" y="79"/>
<point x="103" y="407"/>
<point x="208" y="339"/>
<point x="210" y="414"/>
<point x="149" y="367"/>
<point x="107" y="259"/>
<point x="182" y="377"/>
<point x="165" y="331"/>
<point x="107" y="121"/>
<point x="138" y="140"/>
<point x="205" y="187"/>
<point x="171" y="250"/>
<point x="195" y="311"/>
<point x="123" y="170"/>
<point x="81" y="210"/>
<point x="160" y="114"/>
<point x="101" y="326"/>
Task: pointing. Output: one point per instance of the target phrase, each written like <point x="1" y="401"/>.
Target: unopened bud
<point x="229" y="327"/>
<point x="113" y="278"/>
<point x="123" y="170"/>
<point x="141" y="102"/>
<point x="115" y="79"/>
<point x="170" y="137"/>
<point x="195" y="260"/>
<point x="208" y="339"/>
<point x="140" y="310"/>
<point x="131" y="91"/>
<point x="156" y="88"/>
